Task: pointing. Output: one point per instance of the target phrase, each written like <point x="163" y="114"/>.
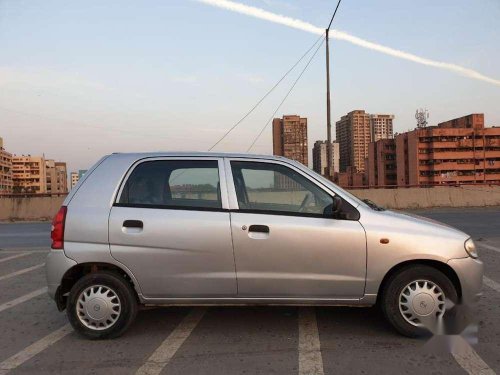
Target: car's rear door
<point x="170" y="226"/>
<point x="287" y="241"/>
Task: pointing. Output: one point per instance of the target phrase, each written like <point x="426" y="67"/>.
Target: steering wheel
<point x="306" y="202"/>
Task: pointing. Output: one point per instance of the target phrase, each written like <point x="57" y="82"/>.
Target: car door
<point x="170" y="227"/>
<point x="287" y="241"/>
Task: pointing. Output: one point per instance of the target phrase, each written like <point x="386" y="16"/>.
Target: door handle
<point x="259" y="228"/>
<point x="133" y="224"/>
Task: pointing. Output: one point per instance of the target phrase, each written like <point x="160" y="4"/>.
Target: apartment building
<point x="76" y="176"/>
<point x="290" y="138"/>
<point x="28" y="174"/>
<point x="351" y="178"/>
<point x="320" y="159"/>
<point x="353" y="134"/>
<point x="381" y="127"/>
<point x="74" y="179"/>
<point x="5" y="170"/>
<point x="355" y="131"/>
<point x="56" y="177"/>
<point x="380" y="165"/>
<point x="461" y="150"/>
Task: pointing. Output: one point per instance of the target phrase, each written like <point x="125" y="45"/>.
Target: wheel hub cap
<point x="98" y="307"/>
<point x="421" y="300"/>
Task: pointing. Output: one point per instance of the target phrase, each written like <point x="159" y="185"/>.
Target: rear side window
<point x="173" y="184"/>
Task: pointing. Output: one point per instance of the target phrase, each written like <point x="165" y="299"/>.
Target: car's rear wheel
<point x="414" y="299"/>
<point x="101" y="305"/>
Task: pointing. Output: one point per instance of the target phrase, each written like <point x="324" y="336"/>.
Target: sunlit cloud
<point x="341" y="35"/>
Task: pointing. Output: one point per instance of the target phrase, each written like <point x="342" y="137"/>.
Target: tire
<point x="390" y="301"/>
<point x="102" y="289"/>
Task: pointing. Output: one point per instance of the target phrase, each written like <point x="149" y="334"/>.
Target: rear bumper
<point x="470" y="274"/>
<point x="56" y="265"/>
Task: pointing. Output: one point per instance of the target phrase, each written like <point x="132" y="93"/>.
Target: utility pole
<point x="329" y="153"/>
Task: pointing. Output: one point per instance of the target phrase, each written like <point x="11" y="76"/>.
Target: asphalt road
<point x="24" y="236"/>
<point x="35" y="338"/>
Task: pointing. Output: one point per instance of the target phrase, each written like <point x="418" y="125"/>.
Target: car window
<point x="276" y="188"/>
<point x="173" y="183"/>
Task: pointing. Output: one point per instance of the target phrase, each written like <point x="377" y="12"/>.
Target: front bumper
<point x="470" y="274"/>
<point x="56" y="265"/>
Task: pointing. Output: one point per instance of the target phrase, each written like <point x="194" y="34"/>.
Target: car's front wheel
<point x="414" y="299"/>
<point x="101" y="305"/>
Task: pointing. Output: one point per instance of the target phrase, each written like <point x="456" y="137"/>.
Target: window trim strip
<point x="170" y="207"/>
<point x="241" y="211"/>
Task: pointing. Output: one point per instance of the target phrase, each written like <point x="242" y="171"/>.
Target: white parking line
<point x="468" y="358"/>
<point x="13" y="257"/>
<point x="489" y="247"/>
<point x="491" y="283"/>
<point x="20" y="272"/>
<point x="471" y="362"/>
<point x="24" y="355"/>
<point x="164" y="353"/>
<point x="310" y="360"/>
<point x="26" y="297"/>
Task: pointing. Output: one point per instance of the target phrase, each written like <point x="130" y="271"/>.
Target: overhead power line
<point x="266" y="94"/>
<point x="286" y="96"/>
<point x="333" y="16"/>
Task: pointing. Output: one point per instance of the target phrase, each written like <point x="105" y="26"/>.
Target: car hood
<point x="416" y="222"/>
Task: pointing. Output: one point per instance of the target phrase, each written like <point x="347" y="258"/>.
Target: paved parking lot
<point x="36" y="339"/>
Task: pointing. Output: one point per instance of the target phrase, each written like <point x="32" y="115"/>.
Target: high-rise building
<point x="381" y="127"/>
<point x="380" y="168"/>
<point x="320" y="157"/>
<point x="5" y="170"/>
<point x="353" y="135"/>
<point x="355" y="131"/>
<point x="28" y="174"/>
<point x="290" y="138"/>
<point x="461" y="150"/>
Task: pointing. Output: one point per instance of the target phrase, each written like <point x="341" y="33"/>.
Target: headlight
<point x="471" y="248"/>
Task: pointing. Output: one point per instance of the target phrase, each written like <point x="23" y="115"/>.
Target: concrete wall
<point x="406" y="198"/>
<point x="44" y="208"/>
<point x="37" y="208"/>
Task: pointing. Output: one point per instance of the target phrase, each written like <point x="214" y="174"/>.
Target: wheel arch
<point x="79" y="270"/>
<point x="448" y="271"/>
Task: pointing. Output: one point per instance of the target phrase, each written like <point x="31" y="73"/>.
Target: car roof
<point x="141" y="155"/>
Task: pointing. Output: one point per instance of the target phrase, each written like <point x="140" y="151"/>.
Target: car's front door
<point x="287" y="241"/>
<point x="170" y="227"/>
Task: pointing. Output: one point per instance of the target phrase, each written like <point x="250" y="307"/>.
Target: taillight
<point x="57" y="233"/>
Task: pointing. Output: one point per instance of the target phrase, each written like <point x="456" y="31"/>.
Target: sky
<point x="82" y="79"/>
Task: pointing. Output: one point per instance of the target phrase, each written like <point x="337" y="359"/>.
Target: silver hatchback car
<point x="207" y="228"/>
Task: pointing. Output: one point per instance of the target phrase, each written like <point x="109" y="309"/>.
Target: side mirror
<point x="337" y="205"/>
